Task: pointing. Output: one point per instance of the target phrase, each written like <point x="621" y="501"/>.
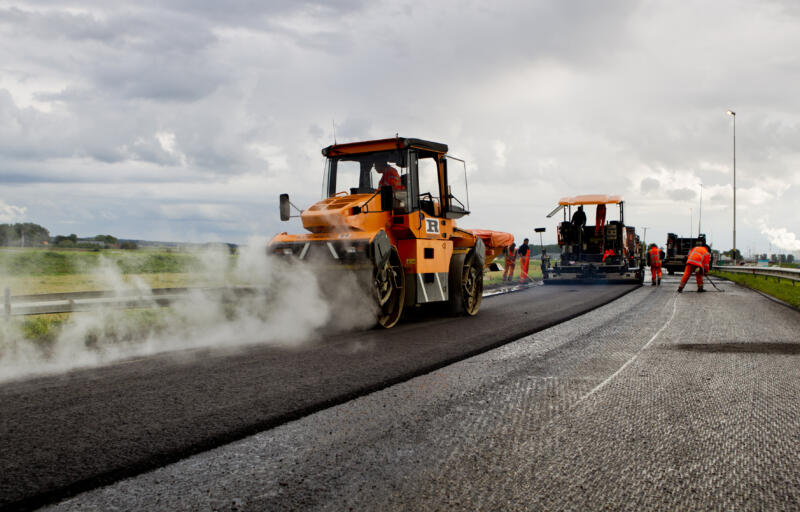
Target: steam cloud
<point x="781" y="237"/>
<point x="288" y="310"/>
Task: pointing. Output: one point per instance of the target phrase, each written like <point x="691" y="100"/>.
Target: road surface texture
<point x="61" y="435"/>
<point x="654" y="401"/>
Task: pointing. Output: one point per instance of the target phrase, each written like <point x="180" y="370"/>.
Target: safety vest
<point x="511" y="256"/>
<point x="699" y="257"/>
<point x="392" y="178"/>
<point x="655" y="257"/>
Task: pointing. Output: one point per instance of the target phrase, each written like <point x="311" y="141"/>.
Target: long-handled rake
<point x="715" y="286"/>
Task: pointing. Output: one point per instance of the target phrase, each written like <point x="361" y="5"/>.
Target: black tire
<point x="465" y="282"/>
<point x="390" y="291"/>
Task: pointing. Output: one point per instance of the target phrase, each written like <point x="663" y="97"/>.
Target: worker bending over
<point x="511" y="260"/>
<point x="524" y="260"/>
<point x="654" y="260"/>
<point x="699" y="261"/>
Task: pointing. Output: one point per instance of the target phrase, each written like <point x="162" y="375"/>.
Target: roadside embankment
<point x="782" y="289"/>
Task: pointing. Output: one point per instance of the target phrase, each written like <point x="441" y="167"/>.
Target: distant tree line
<point x="24" y="234"/>
<point x="28" y="234"/>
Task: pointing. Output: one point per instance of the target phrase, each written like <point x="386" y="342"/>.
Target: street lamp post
<point x="733" y="115"/>
<point x="700" y="216"/>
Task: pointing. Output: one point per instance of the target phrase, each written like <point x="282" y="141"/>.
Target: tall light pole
<point x="700" y="217"/>
<point x="733" y="115"/>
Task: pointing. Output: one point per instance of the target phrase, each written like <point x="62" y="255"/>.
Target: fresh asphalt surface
<point x="61" y="435"/>
<point x="656" y="401"/>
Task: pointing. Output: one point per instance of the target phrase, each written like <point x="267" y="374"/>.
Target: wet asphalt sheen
<point x="60" y="435"/>
<point x="656" y="401"/>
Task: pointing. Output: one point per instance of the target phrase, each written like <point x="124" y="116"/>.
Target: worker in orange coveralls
<point x="524" y="252"/>
<point x="654" y="259"/>
<point x="599" y="219"/>
<point x="608" y="254"/>
<point x="389" y="175"/>
<point x="511" y="259"/>
<point x="699" y="261"/>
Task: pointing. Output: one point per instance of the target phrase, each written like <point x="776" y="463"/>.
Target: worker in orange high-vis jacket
<point x="524" y="252"/>
<point x="511" y="260"/>
<point x="654" y="260"/>
<point x="389" y="175"/>
<point x="699" y="261"/>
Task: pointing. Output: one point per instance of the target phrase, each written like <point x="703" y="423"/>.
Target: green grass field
<point x="43" y="262"/>
<point x="783" y="290"/>
<point x="31" y="271"/>
<point x="491" y="278"/>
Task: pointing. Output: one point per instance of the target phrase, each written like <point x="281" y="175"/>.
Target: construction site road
<point x="656" y="401"/>
<point x="64" y="434"/>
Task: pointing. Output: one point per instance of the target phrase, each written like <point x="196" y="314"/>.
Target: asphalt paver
<point x="656" y="401"/>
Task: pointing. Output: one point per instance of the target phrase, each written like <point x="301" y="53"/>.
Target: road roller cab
<point x="606" y="251"/>
<point x="389" y="213"/>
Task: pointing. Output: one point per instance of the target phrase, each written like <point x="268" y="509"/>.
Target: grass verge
<point x="783" y="289"/>
<point x="534" y="272"/>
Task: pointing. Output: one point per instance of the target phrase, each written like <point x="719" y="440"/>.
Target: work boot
<point x="700" y="289"/>
<point x="653" y="283"/>
<point x="659" y="281"/>
<point x="680" y="289"/>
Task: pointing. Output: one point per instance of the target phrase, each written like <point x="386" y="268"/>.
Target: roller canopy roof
<point x="383" y="145"/>
<point x="589" y="199"/>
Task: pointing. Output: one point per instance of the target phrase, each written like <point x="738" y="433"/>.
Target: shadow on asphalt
<point x="788" y="348"/>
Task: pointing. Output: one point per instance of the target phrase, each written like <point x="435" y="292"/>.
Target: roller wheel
<point x="389" y="285"/>
<point x="466" y="285"/>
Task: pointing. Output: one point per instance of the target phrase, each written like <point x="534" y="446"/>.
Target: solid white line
<point x="632" y="359"/>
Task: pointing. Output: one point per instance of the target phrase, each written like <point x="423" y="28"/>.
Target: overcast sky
<point x="184" y="120"/>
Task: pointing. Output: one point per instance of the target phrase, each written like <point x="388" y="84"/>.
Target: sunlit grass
<point x="35" y="284"/>
<point x="534" y="272"/>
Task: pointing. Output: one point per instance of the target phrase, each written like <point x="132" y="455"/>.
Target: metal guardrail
<point x="791" y="274"/>
<point x="72" y="302"/>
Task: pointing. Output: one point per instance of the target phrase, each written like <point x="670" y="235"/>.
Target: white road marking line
<point x="632" y="359"/>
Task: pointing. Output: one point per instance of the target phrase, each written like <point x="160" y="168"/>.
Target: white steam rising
<point x="287" y="309"/>
<point x="781" y="237"/>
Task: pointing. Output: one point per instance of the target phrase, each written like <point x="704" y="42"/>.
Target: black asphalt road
<point x="65" y="434"/>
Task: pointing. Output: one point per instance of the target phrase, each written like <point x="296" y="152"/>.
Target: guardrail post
<point x="7" y="302"/>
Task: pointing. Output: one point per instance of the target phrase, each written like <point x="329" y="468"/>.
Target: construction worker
<point x="511" y="259"/>
<point x="599" y="219"/>
<point x="654" y="260"/>
<point x="524" y="252"/>
<point x="609" y="253"/>
<point x="579" y="217"/>
<point x="698" y="261"/>
<point x="389" y="175"/>
<point x="578" y="222"/>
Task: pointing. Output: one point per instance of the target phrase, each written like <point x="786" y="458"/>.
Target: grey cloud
<point x="649" y="185"/>
<point x="682" y="194"/>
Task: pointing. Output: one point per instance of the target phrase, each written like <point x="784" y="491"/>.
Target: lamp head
<point x="731" y="113"/>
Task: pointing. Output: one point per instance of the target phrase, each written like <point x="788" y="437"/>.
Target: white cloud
<point x="10" y="213"/>
<point x="781" y="237"/>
